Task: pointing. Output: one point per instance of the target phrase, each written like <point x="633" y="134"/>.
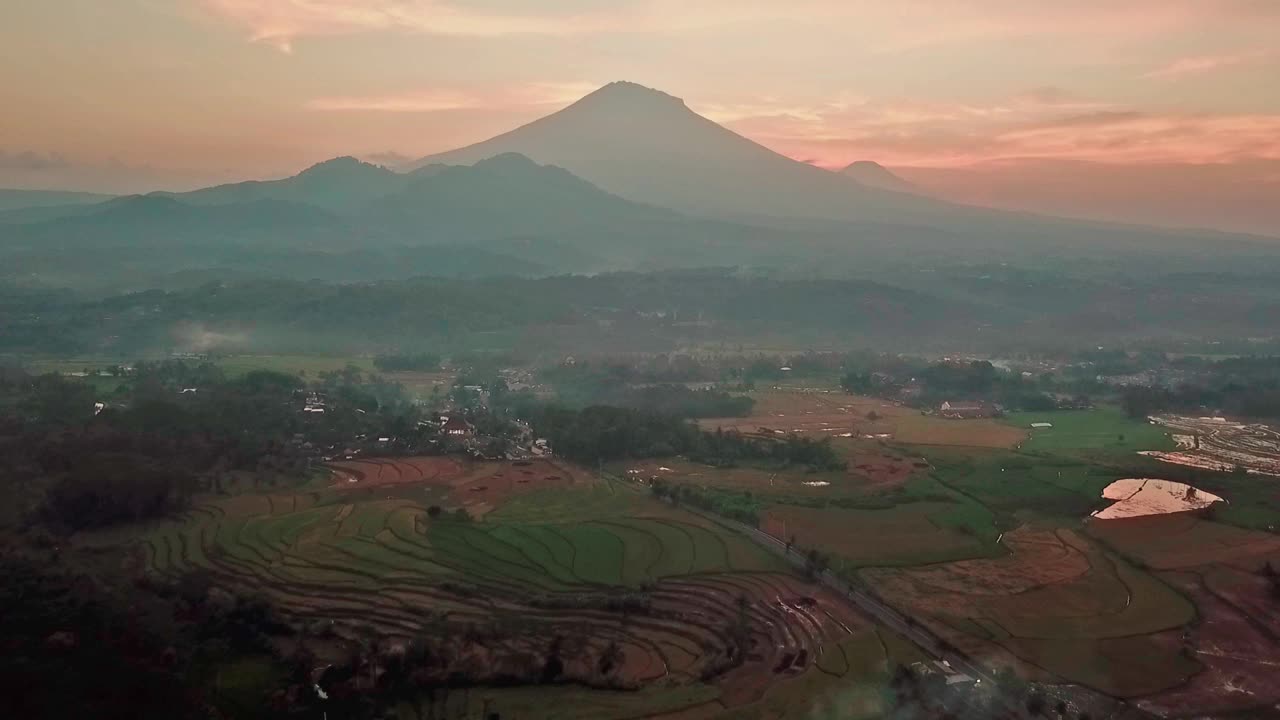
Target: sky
<point x="132" y="95"/>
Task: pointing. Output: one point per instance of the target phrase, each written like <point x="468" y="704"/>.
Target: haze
<point x="1009" y="104"/>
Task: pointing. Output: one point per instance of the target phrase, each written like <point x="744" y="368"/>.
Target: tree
<point x="610" y="659"/>
<point x="434" y="511"/>
<point x="815" y="563"/>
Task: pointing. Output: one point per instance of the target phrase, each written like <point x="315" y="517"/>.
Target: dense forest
<point x="649" y="311"/>
<point x="172" y="429"/>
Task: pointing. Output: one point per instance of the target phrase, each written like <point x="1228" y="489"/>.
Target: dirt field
<point x="844" y="418"/>
<point x="1139" y="497"/>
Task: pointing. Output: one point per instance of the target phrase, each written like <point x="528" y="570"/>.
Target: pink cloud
<point x="1039" y="125"/>
<point x="1202" y="64"/>
<point x="280" y="22"/>
<point x="896" y="26"/>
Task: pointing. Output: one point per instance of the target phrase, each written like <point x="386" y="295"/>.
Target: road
<point x="1076" y="698"/>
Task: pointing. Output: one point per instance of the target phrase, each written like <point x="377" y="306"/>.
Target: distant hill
<point x="347" y="220"/>
<point x="1234" y="196"/>
<point x="18" y="199"/>
<point x="342" y="184"/>
<point x="873" y="174"/>
<point x="153" y="220"/>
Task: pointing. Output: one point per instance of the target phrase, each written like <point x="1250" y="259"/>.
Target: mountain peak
<point x="873" y="174"/>
<point x="337" y="165"/>
<point x="635" y="94"/>
<point x="508" y="160"/>
<point x="865" y="165"/>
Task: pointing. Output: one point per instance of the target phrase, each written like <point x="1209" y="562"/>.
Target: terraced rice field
<point x="556" y="552"/>
<point x="1215" y="444"/>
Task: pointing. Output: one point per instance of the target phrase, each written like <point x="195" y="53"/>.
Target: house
<point x="966" y="410"/>
<point x="457" y="427"/>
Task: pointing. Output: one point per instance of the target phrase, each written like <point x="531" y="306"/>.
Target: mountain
<point x="873" y="174"/>
<point x="647" y="146"/>
<point x="546" y="214"/>
<point x="339" y="185"/>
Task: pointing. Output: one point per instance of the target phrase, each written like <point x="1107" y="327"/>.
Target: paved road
<point x="873" y="607"/>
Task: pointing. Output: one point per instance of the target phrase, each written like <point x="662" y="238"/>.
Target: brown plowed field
<point x="478" y="486"/>
<point x="391" y="471"/>
<point x="1237" y="647"/>
<point x="833" y="413"/>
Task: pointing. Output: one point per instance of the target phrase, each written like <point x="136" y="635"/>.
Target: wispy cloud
<point x="1202" y="64"/>
<point x="1042" y="124"/>
<point x="896" y="26"/>
<point x="31" y="160"/>
<point x="280" y="22"/>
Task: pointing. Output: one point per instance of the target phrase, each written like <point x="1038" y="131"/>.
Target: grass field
<point x="815" y="412"/>
<point x="1099" y="429"/>
<point x="908" y="534"/>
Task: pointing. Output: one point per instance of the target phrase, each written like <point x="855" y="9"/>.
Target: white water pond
<point x="1136" y="497"/>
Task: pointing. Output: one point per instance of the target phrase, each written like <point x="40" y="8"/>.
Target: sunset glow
<point x="227" y="88"/>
